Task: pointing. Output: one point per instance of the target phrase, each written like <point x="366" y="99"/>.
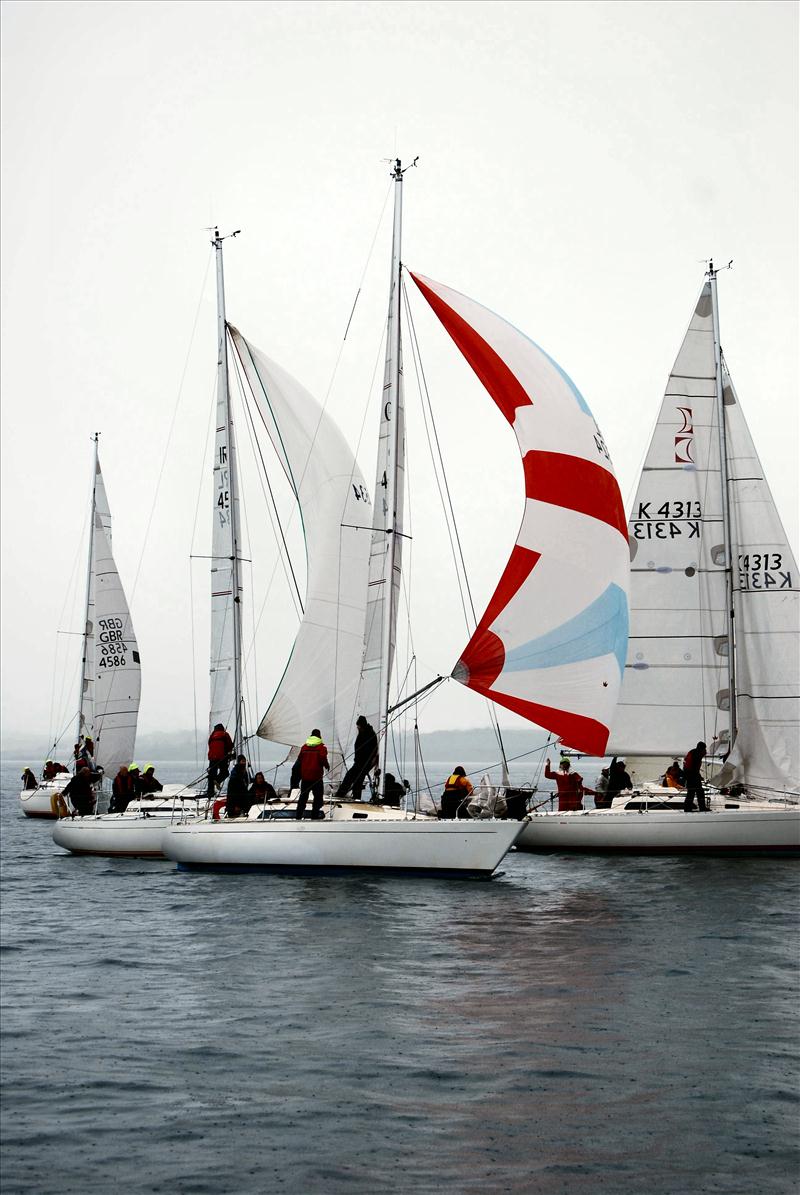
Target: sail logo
<point x="684" y="438"/>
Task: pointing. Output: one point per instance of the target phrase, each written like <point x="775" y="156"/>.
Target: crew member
<point x="51" y="770"/>
<point x="457" y="791"/>
<point x="394" y="791"/>
<point x="148" y="782"/>
<point x="121" y="791"/>
<point x="618" y="780"/>
<point x="260" y="791"/>
<point x="29" y="779"/>
<point x="365" y="752"/>
<point x="238" y="801"/>
<point x="693" y="779"/>
<point x="570" y="786"/>
<point x="136" y="780"/>
<point x="310" y="767"/>
<point x="220" y="750"/>
<point x="673" y="777"/>
<point x="80" y="792"/>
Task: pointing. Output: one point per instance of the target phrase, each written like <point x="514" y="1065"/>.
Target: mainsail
<point x="318" y="688"/>
<point x="676" y="689"/>
<point x="111" y="667"/>
<point x="118" y="670"/>
<point x="551" y="643"/>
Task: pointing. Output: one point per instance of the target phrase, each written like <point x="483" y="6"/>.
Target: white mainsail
<point x="118" y="676"/>
<point x="676" y="686"/>
<point x="226" y="596"/>
<point x="386" y="550"/>
<point x="100" y="516"/>
<point x="319" y="686"/>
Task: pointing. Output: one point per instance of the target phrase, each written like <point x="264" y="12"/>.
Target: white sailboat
<point x="321" y="676"/>
<point x="110" y="676"/>
<point x="561" y="669"/>
<point x="715" y="631"/>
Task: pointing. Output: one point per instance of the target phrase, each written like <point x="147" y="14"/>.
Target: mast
<point x="726" y="510"/>
<point x="391" y="412"/>
<point x="86" y="632"/>
<point x="226" y="498"/>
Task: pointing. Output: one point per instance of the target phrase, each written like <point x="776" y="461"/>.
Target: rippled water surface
<point x="577" y="1025"/>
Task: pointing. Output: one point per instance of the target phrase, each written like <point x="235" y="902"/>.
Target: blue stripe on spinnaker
<point x="599" y="630"/>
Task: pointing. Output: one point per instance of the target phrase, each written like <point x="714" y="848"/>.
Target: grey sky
<point x="577" y="163"/>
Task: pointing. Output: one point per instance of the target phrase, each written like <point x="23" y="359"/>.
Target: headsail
<point x="318" y="687"/>
<point x="766" y="751"/>
<point x="551" y="643"/>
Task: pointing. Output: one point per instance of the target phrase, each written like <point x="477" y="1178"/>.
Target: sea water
<point x="577" y="1025"/>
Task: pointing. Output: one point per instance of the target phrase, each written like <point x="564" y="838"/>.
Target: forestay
<point x="675" y="687"/>
<point x="551" y="643"/>
<point x="318" y="688"/>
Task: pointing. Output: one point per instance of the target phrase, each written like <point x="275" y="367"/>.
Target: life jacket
<point x="312" y="759"/>
<point x="456" y="783"/>
<point x="220" y="745"/>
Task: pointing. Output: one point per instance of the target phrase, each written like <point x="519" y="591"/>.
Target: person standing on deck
<point x="220" y="750"/>
<point x="570" y="787"/>
<point x="238" y="783"/>
<point x="80" y="792"/>
<point x="365" y="751"/>
<point x="693" y="780"/>
<point x="310" y="767"/>
<point x="618" y="780"/>
<point x="121" y="791"/>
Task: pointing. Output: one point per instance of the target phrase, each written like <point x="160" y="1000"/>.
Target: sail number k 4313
<point x="763" y="570"/>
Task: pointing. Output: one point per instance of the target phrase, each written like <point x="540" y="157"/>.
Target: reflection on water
<point x="578" y="1025"/>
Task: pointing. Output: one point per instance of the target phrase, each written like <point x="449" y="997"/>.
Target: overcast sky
<point x="578" y="162"/>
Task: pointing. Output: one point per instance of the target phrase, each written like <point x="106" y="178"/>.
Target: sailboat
<point x="714" y="651"/>
<point x="320" y="679"/>
<point x="110" y="675"/>
<point x="560" y="668"/>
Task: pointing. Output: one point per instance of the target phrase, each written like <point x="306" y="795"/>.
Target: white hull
<point x="665" y="832"/>
<point x="399" y="845"/>
<point x="35" y="802"/>
<point x="112" y="835"/>
<point x="135" y="834"/>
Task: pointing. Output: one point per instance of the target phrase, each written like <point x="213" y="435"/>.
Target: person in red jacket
<point x="220" y="749"/>
<point x="570" y="787"/>
<point x="309" y="768"/>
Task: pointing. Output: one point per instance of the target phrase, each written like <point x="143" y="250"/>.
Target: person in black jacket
<point x="618" y="781"/>
<point x="148" y="782"/>
<point x="365" y="753"/>
<point x="693" y="779"/>
<point x="238" y="800"/>
<point x="80" y="792"/>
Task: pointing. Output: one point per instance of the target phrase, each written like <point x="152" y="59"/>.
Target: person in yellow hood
<point x="309" y="768"/>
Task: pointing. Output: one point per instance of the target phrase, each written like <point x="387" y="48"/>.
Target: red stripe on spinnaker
<point x="575" y="730"/>
<point x="492" y="370"/>
<point x="484" y="656"/>
<point x="577" y="484"/>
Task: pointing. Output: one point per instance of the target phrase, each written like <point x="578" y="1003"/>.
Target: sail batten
<point x="551" y="643"/>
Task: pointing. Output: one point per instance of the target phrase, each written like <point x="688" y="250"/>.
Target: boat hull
<point x="112" y="835"/>
<point x="401" y="846"/>
<point x="36" y="802"/>
<point x="668" y="832"/>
